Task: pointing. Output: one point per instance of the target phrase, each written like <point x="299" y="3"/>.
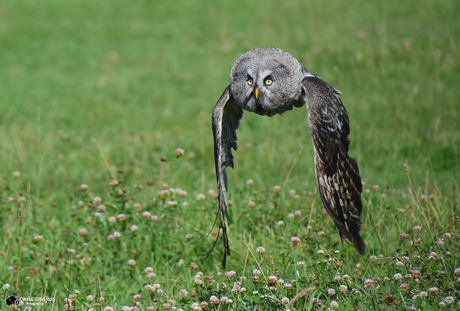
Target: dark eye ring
<point x="268" y="82"/>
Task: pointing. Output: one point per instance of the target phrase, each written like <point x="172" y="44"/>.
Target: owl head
<point x="267" y="81"/>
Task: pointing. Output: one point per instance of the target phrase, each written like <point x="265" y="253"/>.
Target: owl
<point x="270" y="81"/>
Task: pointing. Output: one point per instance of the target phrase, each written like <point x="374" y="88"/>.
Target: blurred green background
<point x="90" y="87"/>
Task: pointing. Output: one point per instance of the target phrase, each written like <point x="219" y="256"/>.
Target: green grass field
<point x="98" y="212"/>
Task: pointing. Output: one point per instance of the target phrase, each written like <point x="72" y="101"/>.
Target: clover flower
<point x="183" y="293"/>
<point x="433" y="291"/>
<point x="271" y="280"/>
<point x="230" y="274"/>
<point x="214" y="300"/>
<point x="133" y="228"/>
<point x="343" y="289"/>
<point x="403" y="236"/>
<point x="457" y="271"/>
<point x="83" y="232"/>
<point x="121" y="217"/>
<point x="163" y="193"/>
<point x="97" y="200"/>
<point x="432" y="256"/>
<point x="334" y="304"/>
<point x="260" y="250"/>
<point x="38" y="237"/>
<point x="423" y="294"/>
<point x="417" y="228"/>
<point x="179" y="152"/>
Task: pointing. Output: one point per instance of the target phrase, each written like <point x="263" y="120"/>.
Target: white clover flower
<point x="260" y="250"/>
<point x="183" y="292"/>
<point x="334" y="304"/>
<point x="330" y="291"/>
<point x="230" y="274"/>
<point x="148" y="269"/>
<point x="432" y="255"/>
<point x="133" y="228"/>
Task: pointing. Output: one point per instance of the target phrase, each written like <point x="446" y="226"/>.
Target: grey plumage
<point x="269" y="81"/>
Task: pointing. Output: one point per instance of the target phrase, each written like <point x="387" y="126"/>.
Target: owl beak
<point x="257" y="93"/>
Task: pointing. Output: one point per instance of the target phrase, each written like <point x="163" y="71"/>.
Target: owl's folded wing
<point x="226" y="117"/>
<point x="339" y="182"/>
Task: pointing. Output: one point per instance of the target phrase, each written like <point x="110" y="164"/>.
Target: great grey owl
<point x="270" y="81"/>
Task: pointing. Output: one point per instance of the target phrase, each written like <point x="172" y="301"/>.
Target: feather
<point x="226" y="117"/>
<point x="339" y="182"/>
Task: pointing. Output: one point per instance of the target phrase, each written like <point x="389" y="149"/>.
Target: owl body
<point x="267" y="81"/>
<point x="270" y="81"/>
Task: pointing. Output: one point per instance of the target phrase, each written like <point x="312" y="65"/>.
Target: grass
<point x="102" y="94"/>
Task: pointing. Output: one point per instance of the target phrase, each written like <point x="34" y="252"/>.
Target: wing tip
<point x="355" y="238"/>
<point x="360" y="246"/>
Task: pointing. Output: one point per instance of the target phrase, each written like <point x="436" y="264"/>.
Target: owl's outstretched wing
<point x="226" y="117"/>
<point x="339" y="182"/>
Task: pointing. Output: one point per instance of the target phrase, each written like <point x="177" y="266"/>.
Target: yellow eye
<point x="249" y="82"/>
<point x="268" y="82"/>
